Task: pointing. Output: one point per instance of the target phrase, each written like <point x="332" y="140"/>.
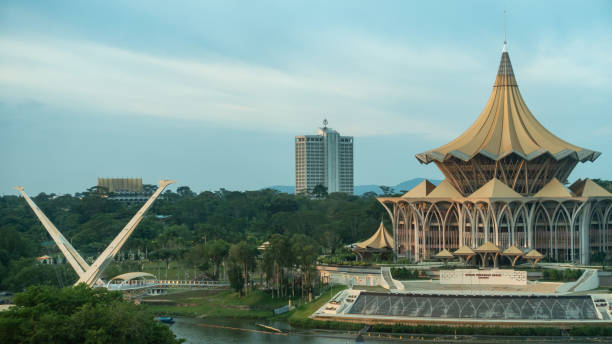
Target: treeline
<point x="79" y="315"/>
<point x="179" y="226"/>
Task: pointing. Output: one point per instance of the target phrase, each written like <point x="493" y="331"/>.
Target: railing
<point x="142" y="284"/>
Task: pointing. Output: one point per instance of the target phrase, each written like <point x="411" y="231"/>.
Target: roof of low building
<point x="381" y="239"/>
<point x="487" y="247"/>
<point x="444" y="254"/>
<point x="421" y="190"/>
<point x="495" y="188"/>
<point x="554" y="189"/>
<point x="464" y="251"/>
<point x="533" y="254"/>
<point x="133" y="275"/>
<point x="506" y="126"/>
<point x="513" y="251"/>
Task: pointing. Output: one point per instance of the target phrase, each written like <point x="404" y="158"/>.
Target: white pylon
<point x="91" y="274"/>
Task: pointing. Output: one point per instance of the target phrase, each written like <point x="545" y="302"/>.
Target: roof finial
<point x="325" y="123"/>
<point x="505" y="41"/>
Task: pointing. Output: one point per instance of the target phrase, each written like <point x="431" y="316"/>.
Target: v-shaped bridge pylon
<point x="90" y="275"/>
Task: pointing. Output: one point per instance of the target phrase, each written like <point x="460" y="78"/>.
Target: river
<point x="200" y="331"/>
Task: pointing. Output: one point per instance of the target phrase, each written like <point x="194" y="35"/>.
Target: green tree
<point x="167" y="255"/>
<point x="243" y="255"/>
<point x="600" y="256"/>
<point x="305" y="251"/>
<point x="320" y="191"/>
<point x="185" y="191"/>
<point x="217" y="251"/>
<point x="79" y="315"/>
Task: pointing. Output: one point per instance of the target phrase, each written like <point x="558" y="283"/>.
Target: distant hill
<point x="361" y="189"/>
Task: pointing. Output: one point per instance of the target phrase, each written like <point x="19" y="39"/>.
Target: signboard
<point x="474" y="276"/>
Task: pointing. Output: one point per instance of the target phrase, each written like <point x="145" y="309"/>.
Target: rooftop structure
<point x="127" y="190"/>
<point x="506" y="142"/>
<point x="505" y="185"/>
<point x="380" y="242"/>
<point x="325" y="159"/>
<point x="121" y="184"/>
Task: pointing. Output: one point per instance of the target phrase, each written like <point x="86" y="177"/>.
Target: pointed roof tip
<point x="464" y="251"/>
<point x="529" y="138"/>
<point x="445" y="190"/>
<point x="554" y="189"/>
<point x="588" y="188"/>
<point x="421" y="190"/>
<point x="495" y="188"/>
<point x="513" y="251"/>
<point x="379" y="240"/>
<point x="444" y="254"/>
<point x="505" y="48"/>
<point x="533" y="254"/>
<point x="487" y="247"/>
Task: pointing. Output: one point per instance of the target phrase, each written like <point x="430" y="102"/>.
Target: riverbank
<point x="259" y="305"/>
<point x="219" y="303"/>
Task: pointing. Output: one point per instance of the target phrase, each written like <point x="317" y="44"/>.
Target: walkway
<point x="165" y="284"/>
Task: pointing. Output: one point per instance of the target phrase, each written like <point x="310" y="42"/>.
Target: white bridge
<point x="90" y="274"/>
<point x="155" y="284"/>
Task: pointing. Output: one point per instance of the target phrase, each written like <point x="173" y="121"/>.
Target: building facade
<point x="324" y="159"/>
<point x="128" y="190"/>
<point x="505" y="184"/>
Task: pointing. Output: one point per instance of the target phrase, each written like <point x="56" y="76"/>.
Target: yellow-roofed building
<point x="505" y="184"/>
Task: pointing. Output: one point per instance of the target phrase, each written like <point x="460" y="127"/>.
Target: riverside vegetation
<point x="212" y="235"/>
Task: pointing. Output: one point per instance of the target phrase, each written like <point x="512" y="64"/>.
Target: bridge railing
<point x="138" y="284"/>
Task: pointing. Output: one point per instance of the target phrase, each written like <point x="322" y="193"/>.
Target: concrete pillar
<point x="585" y="242"/>
<point x="460" y="223"/>
<point x="530" y="224"/>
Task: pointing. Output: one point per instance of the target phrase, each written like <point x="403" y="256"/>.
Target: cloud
<point x="222" y="91"/>
<point x="577" y="62"/>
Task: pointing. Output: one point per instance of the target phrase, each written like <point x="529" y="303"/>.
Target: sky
<point x="212" y="93"/>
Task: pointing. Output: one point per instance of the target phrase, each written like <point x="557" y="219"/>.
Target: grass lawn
<point x="215" y="303"/>
<point x="305" y="310"/>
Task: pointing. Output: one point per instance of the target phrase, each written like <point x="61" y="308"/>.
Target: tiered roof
<point x="506" y="126"/>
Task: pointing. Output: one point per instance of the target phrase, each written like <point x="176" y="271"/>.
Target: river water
<point x="246" y="331"/>
<point x="197" y="331"/>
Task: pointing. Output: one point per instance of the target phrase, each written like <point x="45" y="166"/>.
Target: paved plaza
<point x="435" y="286"/>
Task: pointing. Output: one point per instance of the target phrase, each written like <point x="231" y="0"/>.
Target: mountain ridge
<point x="362" y="189"/>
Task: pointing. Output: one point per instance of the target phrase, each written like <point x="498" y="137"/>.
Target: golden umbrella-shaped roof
<point x="506" y="126"/>
<point x="487" y="247"/>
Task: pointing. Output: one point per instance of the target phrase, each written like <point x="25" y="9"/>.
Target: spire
<point x="505" y="41"/>
<point x="505" y="74"/>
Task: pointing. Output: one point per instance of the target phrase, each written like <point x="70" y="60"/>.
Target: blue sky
<point x="212" y="93"/>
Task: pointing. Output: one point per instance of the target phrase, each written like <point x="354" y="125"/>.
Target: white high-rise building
<point x="326" y="159"/>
